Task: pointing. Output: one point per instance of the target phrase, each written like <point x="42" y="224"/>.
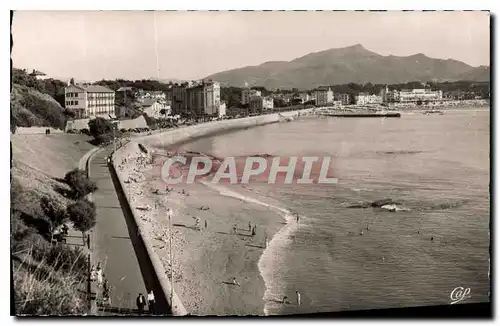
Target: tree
<point x="100" y="126"/>
<point x="163" y="112"/>
<point x="54" y="212"/>
<point x="72" y="81"/>
<point x="83" y="215"/>
<point x="80" y="183"/>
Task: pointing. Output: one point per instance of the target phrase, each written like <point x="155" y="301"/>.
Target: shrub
<point x="100" y="126"/>
<point x="54" y="212"/>
<point x="80" y="183"/>
<point x="83" y="215"/>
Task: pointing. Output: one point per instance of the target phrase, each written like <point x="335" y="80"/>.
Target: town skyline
<point x="131" y="50"/>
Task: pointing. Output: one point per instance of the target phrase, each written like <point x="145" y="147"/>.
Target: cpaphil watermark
<point x="243" y="170"/>
<point x="459" y="294"/>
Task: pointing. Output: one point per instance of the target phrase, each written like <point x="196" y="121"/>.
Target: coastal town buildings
<point x="305" y="97"/>
<point x="410" y="95"/>
<point x="90" y="101"/>
<point x="248" y="93"/>
<point x="222" y="109"/>
<point x="196" y="98"/>
<point x="365" y="98"/>
<point x="324" y="95"/>
<point x="344" y="98"/>
<point x="259" y="104"/>
<point x="415" y="95"/>
<point x="153" y="108"/>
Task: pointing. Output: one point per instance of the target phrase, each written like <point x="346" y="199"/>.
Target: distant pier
<point x="364" y="115"/>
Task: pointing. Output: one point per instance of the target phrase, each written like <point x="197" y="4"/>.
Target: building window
<point x="76" y="102"/>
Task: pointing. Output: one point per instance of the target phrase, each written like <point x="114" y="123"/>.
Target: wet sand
<point x="205" y="260"/>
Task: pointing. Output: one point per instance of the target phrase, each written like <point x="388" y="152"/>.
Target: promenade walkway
<point x="112" y="245"/>
<point x="117" y="246"/>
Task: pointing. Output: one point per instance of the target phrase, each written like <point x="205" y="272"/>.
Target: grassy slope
<point x="38" y="161"/>
<point x="32" y="108"/>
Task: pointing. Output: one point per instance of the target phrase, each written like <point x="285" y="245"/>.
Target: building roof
<point x="97" y="89"/>
<point x="323" y="88"/>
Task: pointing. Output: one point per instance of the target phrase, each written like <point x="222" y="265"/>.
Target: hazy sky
<point x="92" y="45"/>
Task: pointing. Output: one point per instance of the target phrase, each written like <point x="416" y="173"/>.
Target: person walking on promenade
<point x="93" y="274"/>
<point x="206" y="224"/>
<point x="141" y="302"/>
<point x="99" y="274"/>
<point x="298" y="297"/>
<point x="151" y="302"/>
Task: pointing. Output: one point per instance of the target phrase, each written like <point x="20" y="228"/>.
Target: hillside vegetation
<point x="49" y="278"/>
<point x="36" y="102"/>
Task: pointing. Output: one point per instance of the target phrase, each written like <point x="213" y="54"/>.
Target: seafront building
<point x="324" y="95"/>
<point x="259" y="104"/>
<point x="90" y="101"/>
<point x="365" y="98"/>
<point x="196" y="98"/>
<point x="153" y="108"/>
<point x="248" y="93"/>
<point x="345" y="99"/>
<point x="410" y="95"/>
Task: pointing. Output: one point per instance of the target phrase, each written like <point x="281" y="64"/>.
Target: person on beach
<point x="249" y="226"/>
<point x="361" y="233"/>
<point x="253" y="231"/>
<point x="298" y="297"/>
<point x="206" y="224"/>
<point x="284" y="300"/>
<point x="267" y="243"/>
<point x="367" y="228"/>
<point x="298" y="217"/>
<point x="234" y="229"/>
<point x="235" y="282"/>
<point x="140" y="302"/>
<point x="151" y="302"/>
<point x="432" y="238"/>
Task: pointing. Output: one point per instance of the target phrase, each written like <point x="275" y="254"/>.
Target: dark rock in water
<point x="377" y="204"/>
<point x="383" y="202"/>
<point x="360" y="205"/>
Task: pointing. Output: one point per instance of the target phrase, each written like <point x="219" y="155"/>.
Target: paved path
<point x="111" y="243"/>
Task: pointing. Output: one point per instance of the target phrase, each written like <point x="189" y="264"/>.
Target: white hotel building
<point x="247" y="94"/>
<point x="90" y="101"/>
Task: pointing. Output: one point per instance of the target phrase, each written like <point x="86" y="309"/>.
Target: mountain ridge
<point x="349" y="64"/>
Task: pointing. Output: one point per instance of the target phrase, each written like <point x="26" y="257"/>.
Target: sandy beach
<point x="205" y="260"/>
